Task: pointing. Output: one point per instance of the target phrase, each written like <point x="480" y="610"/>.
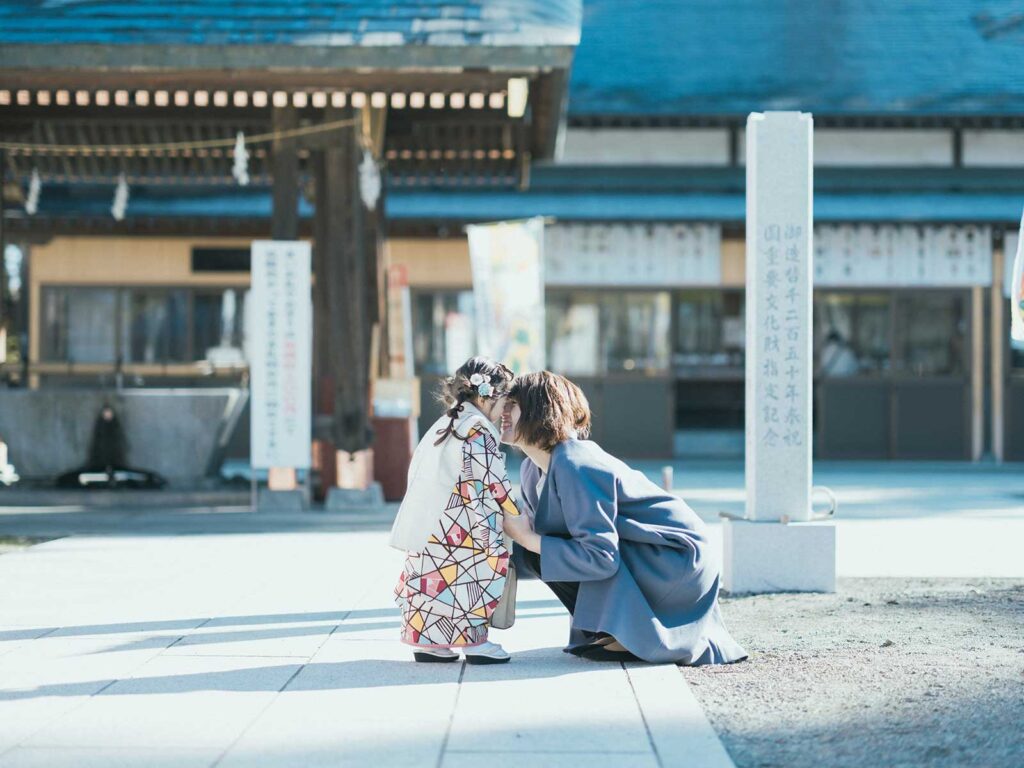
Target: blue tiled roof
<point x="291" y="22"/>
<point x="670" y="57"/>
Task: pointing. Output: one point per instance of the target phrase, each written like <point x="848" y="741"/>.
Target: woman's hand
<point x="518" y="528"/>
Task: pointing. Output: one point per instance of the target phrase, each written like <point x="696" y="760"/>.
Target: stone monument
<point x="776" y="547"/>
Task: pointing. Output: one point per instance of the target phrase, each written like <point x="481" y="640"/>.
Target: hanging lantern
<point x="120" y="204"/>
<point x="241" y="167"/>
<point x="35" y="186"/>
<point x="369" y="181"/>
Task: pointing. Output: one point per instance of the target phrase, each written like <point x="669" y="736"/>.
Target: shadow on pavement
<point x="335" y="617"/>
<point x="315" y="676"/>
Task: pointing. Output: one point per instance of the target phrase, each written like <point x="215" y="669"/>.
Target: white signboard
<point x="508" y="290"/>
<point x="281" y="324"/>
<point x="640" y="255"/>
<point x="891" y="255"/>
<point x="778" y="361"/>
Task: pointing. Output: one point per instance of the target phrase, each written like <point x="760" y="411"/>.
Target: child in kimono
<point x="450" y="522"/>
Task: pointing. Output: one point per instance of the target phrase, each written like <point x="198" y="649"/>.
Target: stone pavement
<point x="221" y="637"/>
<point x="896" y="519"/>
<point x="277" y="648"/>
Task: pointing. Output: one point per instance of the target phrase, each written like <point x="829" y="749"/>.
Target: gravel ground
<point x="887" y="672"/>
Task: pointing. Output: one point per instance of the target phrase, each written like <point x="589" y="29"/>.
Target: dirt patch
<point x="887" y="672"/>
<point x="15" y="543"/>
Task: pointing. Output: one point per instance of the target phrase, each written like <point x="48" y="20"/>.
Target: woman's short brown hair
<point x="552" y="409"/>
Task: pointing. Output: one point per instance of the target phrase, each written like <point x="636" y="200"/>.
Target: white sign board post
<point x="767" y="552"/>
<point x="280" y="354"/>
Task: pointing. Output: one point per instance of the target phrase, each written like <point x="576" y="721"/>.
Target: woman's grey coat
<point x="647" y="574"/>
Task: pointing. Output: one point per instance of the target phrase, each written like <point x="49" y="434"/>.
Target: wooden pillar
<point x="376" y="289"/>
<point x="3" y="269"/>
<point x="997" y="334"/>
<point x="374" y="122"/>
<point x="344" y="261"/>
<point x="323" y="402"/>
<point x="323" y="380"/>
<point x="977" y="372"/>
<point x="284" y="224"/>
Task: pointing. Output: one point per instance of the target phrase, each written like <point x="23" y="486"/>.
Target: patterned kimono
<point x="448" y="591"/>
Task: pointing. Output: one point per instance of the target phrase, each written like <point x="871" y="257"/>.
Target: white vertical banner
<point x="1017" y="287"/>
<point x="280" y="354"/>
<point x="779" y="275"/>
<point x="508" y="289"/>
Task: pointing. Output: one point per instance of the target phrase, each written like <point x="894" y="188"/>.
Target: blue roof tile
<point x="216" y="22"/>
<point x="674" y="58"/>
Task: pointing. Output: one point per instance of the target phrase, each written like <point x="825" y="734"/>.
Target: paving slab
<point x="558" y="703"/>
<point x="529" y="759"/>
<point x="678" y="728"/>
<point x="106" y="757"/>
<point x="173" y="702"/>
<point x="359" y="703"/>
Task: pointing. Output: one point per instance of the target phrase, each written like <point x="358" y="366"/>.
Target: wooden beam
<point x="284" y="165"/>
<point x="223" y="117"/>
<point x="182" y="66"/>
<point x="39" y="229"/>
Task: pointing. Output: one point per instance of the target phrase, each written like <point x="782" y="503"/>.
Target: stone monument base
<point x="352" y="499"/>
<point x="778" y="557"/>
<point x="280" y="501"/>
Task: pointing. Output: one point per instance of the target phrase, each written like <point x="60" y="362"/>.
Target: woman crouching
<point x="631" y="562"/>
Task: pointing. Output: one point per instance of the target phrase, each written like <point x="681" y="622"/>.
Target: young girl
<point x="450" y="522"/>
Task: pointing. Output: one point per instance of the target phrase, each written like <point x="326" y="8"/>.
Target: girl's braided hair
<point x="478" y="377"/>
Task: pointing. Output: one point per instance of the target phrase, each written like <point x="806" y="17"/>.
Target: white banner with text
<point x="281" y="324"/>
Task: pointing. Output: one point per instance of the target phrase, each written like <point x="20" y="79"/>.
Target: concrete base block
<point x="778" y="557"/>
<point x="280" y="501"/>
<point x="349" y="499"/>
